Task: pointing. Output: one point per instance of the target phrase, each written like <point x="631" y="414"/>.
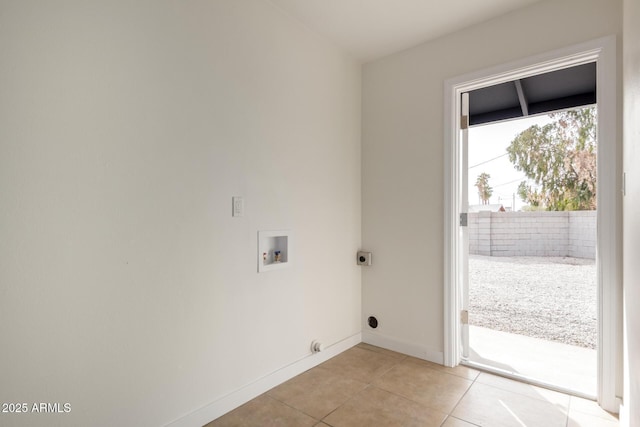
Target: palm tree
<point x="484" y="190"/>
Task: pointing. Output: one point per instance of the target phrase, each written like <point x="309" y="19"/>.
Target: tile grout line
<point x="368" y="384"/>
<point x="475" y="380"/>
<point x="567" y="419"/>
<point x="372" y="385"/>
<point x="419" y="362"/>
<point x="407" y="359"/>
<point x="570" y="396"/>
<point x="343" y="403"/>
<point x="460" y="400"/>
<point x="566" y="424"/>
<point x="459" y="419"/>
<point x="294" y="408"/>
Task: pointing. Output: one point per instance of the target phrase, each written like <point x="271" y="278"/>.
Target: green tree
<point x="484" y="190"/>
<point x="560" y="159"/>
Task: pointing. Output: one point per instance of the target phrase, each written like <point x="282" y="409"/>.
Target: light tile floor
<point x="370" y="386"/>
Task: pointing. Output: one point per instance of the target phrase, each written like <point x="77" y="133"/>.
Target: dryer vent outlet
<point x="373" y="322"/>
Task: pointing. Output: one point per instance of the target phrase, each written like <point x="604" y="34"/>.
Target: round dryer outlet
<point x="373" y="322"/>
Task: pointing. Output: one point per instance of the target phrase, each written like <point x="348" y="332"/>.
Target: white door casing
<point x="603" y="53"/>
<point x="463" y="229"/>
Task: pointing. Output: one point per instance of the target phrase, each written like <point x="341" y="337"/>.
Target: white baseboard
<point x="411" y="349"/>
<point x="234" y="399"/>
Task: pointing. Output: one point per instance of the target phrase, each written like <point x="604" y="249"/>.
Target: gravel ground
<point x="543" y="297"/>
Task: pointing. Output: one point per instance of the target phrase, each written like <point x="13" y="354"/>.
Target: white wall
<point x="630" y="415"/>
<point x="403" y="157"/>
<point x="126" y="287"/>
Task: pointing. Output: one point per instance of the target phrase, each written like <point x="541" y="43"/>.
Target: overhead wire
<point x="510" y="182"/>
<point x="487" y="161"/>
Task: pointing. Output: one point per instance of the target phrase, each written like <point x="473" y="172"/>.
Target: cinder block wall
<point x="544" y="233"/>
<point x="582" y="234"/>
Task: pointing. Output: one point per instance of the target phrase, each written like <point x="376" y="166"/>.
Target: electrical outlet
<point x="364" y="258"/>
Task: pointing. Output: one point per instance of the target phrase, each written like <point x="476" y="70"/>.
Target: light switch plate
<point x="238" y="206"/>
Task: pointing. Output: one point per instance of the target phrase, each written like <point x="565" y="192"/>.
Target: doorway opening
<point x="600" y="54"/>
<point x="532" y="287"/>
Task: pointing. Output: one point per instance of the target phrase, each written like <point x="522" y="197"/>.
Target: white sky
<point x="487" y="142"/>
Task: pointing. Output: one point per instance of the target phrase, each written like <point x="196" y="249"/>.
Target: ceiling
<point x="370" y="29"/>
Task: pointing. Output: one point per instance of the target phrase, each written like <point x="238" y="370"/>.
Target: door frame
<point x="608" y="250"/>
